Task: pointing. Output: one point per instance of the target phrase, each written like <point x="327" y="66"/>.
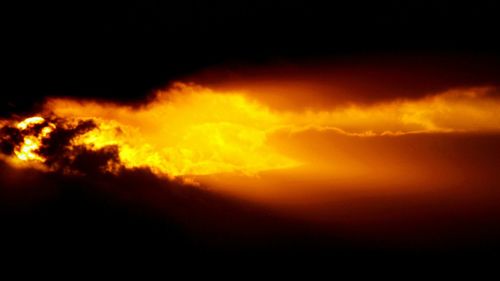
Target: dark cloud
<point x="332" y="81"/>
<point x="135" y="214"/>
<point x="61" y="154"/>
<point x="123" y="52"/>
<point x="57" y="149"/>
<point x="10" y="137"/>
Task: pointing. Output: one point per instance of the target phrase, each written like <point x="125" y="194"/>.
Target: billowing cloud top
<point x="193" y="130"/>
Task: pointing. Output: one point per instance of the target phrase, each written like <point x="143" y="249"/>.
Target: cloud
<point x="401" y="146"/>
<point x="55" y="147"/>
<point x="133" y="213"/>
<point x="190" y="130"/>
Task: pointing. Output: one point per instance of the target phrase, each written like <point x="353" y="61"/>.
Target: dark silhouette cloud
<point x="123" y="52"/>
<point x="57" y="149"/>
<point x="134" y="213"/>
<point x="61" y="154"/>
<point x="9" y="138"/>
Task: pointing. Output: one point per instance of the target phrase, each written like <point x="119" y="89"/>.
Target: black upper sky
<point x="125" y="50"/>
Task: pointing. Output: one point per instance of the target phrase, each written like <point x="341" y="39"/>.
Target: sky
<point x="270" y="128"/>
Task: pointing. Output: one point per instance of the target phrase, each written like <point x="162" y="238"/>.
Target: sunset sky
<point x="196" y="129"/>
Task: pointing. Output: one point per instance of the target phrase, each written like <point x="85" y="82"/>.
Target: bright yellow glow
<point x="192" y="130"/>
<point x="187" y="131"/>
<point x="23" y="125"/>
<point x="31" y="144"/>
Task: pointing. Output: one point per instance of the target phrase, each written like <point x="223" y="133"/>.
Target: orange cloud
<point x="192" y="130"/>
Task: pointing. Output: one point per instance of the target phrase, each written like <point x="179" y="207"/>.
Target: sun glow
<point x="191" y="130"/>
<point x="31" y="143"/>
<point x="188" y="130"/>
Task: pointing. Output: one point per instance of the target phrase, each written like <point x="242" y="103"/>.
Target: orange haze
<point x="190" y="130"/>
<point x="314" y="159"/>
